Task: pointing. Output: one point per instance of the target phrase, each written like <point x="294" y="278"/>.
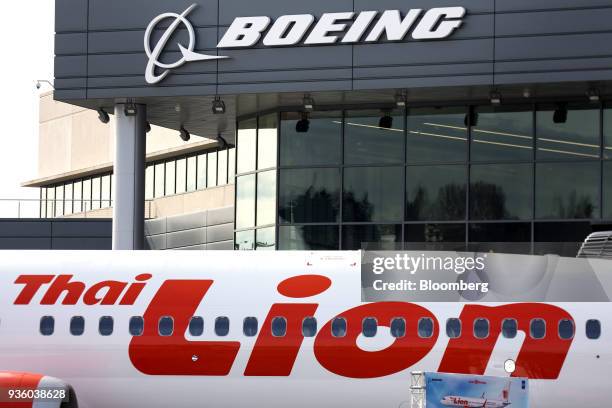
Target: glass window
<point x="181" y="175"/>
<point x="222" y="326"/>
<point x="170" y="178"/>
<point x="106" y="191"/>
<point x="202" y="167"/>
<point x="265" y="239"/>
<point x="309" y="195"/>
<point x="607" y="124"/>
<point x="309" y="238"/>
<point x="196" y="326"/>
<point x="59" y="199"/>
<point x="247" y="139"/>
<point x="250" y="326"/>
<point x="95" y="193"/>
<point x="560" y="238"/>
<point x="165" y="326"/>
<point x="106" y="325"/>
<point x="436" y="237"/>
<point x="537" y="329"/>
<point x="566" y="329"/>
<point x="212" y="170"/>
<point x="50" y="202"/>
<point x="366" y="142"/>
<point x="593" y="329"/>
<point x="512" y="238"/>
<point x="77" y="195"/>
<point x="68" y="199"/>
<point x="453" y="328"/>
<point x="192" y="174"/>
<point x="338" y="327"/>
<point x="87" y="195"/>
<point x="279" y="327"/>
<point x="266" y="197"/>
<point x="481" y="328"/>
<point x="369" y="327"/>
<point x="509" y="328"/>
<point x="567" y="190"/>
<point x="43" y="202"/>
<point x="136" y="326"/>
<point x="501" y="192"/>
<point x="398" y="327"/>
<point x="47" y="325"/>
<point x="607" y="183"/>
<point x="231" y="166"/>
<point x="245" y="201"/>
<point x="222" y="166"/>
<point x="319" y="144"/>
<point x="368" y="195"/>
<point x="244" y="241"/>
<point x="567" y="132"/>
<point x="356" y="237"/>
<point x="502" y="133"/>
<point x="436" y="193"/>
<point x="149" y="182"/>
<point x="267" y="141"/>
<point x="437" y="135"/>
<point x="77" y="325"/>
<point x="309" y="327"/>
<point x="425" y="327"/>
<point x="160" y="180"/>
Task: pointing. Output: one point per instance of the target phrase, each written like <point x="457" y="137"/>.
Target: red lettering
<point x="113" y="291"/>
<point x="32" y="284"/>
<point x="153" y="354"/>
<point x="342" y="356"/>
<point x="538" y="358"/>
<point x="61" y="284"/>
<point x="134" y="290"/>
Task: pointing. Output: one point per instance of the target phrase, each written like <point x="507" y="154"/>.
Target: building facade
<point x="479" y="124"/>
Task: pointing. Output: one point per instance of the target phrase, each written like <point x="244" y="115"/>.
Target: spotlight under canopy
<point x="184" y="134"/>
<point x="103" y="116"/>
<point x="496" y="98"/>
<point x="593" y="95"/>
<point x="560" y="115"/>
<point x="218" y="106"/>
<point x="386" y="121"/>
<point x="303" y="125"/>
<point x="308" y="103"/>
<point x="130" y="109"/>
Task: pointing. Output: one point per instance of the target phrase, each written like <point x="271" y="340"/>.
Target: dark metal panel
<point x="135" y="64"/>
<point x="551" y="77"/>
<point x="70" y="44"/>
<point x="473" y="6"/>
<point x="137" y="14"/>
<point x="553" y="46"/>
<point x="71" y="83"/>
<point x="81" y="243"/>
<point x="554" y="22"/>
<point x="531" y="5"/>
<point x="288" y="76"/>
<point x="550" y="65"/>
<point x="160" y="91"/>
<point x="229" y="9"/>
<point x="25" y="243"/>
<point x="73" y="66"/>
<point x="423" y="82"/>
<point x="139" y="81"/>
<point x="419" y="71"/>
<point x="306" y="86"/>
<point x="82" y="229"/>
<point x="25" y="229"/>
<point x="69" y="94"/>
<point x="70" y="15"/>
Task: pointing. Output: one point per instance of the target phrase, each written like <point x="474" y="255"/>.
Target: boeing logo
<point x="291" y="30"/>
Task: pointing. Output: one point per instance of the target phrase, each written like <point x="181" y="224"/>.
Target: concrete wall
<point x="205" y="230"/>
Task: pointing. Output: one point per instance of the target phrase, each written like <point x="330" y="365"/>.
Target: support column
<point x="129" y="185"/>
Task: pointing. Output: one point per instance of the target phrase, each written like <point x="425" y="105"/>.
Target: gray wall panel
<point x="70" y="66"/>
<point x="220" y="216"/>
<point x="71" y="43"/>
<point x="82" y="229"/>
<point x="25" y="243"/>
<point x="562" y="46"/>
<point x="189" y="237"/>
<point x="232" y="8"/>
<point x="474" y="6"/>
<point x="220" y="233"/>
<point x="55" y="234"/>
<point x="186" y="222"/>
<point x="531" y="5"/>
<point x="25" y="229"/>
<point x="156" y="242"/>
<point x="221" y="246"/>
<point x="81" y="243"/>
<point x="553" y="22"/>
<point x="70" y="15"/>
<point x="132" y="41"/>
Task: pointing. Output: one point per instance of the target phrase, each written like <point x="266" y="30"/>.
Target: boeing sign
<point x="290" y="30"/>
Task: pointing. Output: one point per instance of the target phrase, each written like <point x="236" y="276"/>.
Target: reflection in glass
<point x="212" y="169"/>
<point x="309" y="238"/>
<point x="320" y="145"/>
<point x="607" y="130"/>
<point x="59" y="199"/>
<point x="266" y="197"/>
<point x="202" y="167"/>
<point x="68" y="200"/>
<point x="509" y="238"/>
<point x="170" y="177"/>
<point x="561" y="238"/>
<point x="309" y="195"/>
<point x="245" y="202"/>
<point x="86" y="195"/>
<point x="265" y="239"/>
<point x="247" y="139"/>
<point x="607" y="183"/>
<point x="436" y="192"/>
<point x="231" y="166"/>
<point x="95" y="193"/>
<point x="106" y="191"/>
<point x="43" y="202"/>
<point x="192" y="173"/>
<point x="181" y="175"/>
<point x="501" y="192"/>
<point x="244" y="241"/>
<point x="436" y="236"/>
<point x="388" y="237"/>
<point x="149" y="180"/>
<point x="502" y="134"/>
<point x="266" y="139"/>
<point x="567" y="190"/>
<point x="367" y="143"/>
<point x="575" y="138"/>
<point x="222" y="166"/>
<point x="370" y="194"/>
<point x="50" y="202"/>
<point x="437" y="135"/>
<point x="160" y="180"/>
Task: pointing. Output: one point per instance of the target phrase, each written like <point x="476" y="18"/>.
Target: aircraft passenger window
<point x="425" y="327"/>
<point x="279" y="327"/>
<point x="593" y="329"/>
<point x="309" y="327"/>
<point x="369" y="326"/>
<point x="566" y="329"/>
<point x="222" y="325"/>
<point x="481" y="328"/>
<point x="338" y="327"/>
<point x="509" y="328"/>
<point x="250" y="326"/>
<point x="537" y="329"/>
<point x="47" y="325"/>
<point x="398" y="327"/>
<point x="196" y="326"/>
<point x="77" y="325"/>
<point x="136" y="326"/>
<point x="165" y="326"/>
<point x="453" y="328"/>
<point x="105" y="326"/>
